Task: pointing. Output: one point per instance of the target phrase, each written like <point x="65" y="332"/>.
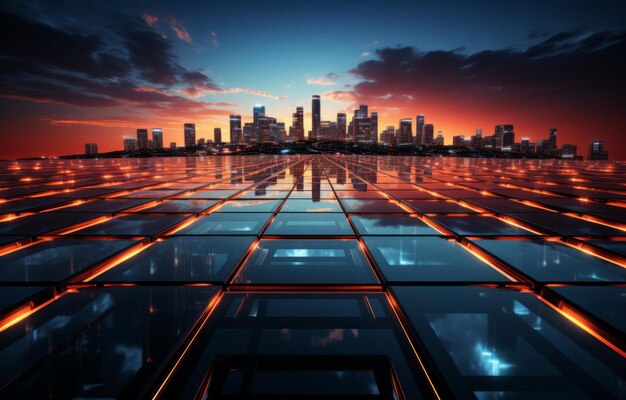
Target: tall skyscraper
<point x="596" y="151"/>
<point x="130" y="144"/>
<point x="142" y="139"/>
<point x="341" y="126"/>
<point x="373" y="127"/>
<point x="190" y="135"/>
<point x="316" y="115"/>
<point x="504" y="137"/>
<point x="217" y="135"/>
<point x="363" y="110"/>
<point x="157" y="138"/>
<point x="428" y="131"/>
<point x="296" y="131"/>
<point x="91" y="149"/>
<point x="236" y="135"/>
<point x="258" y="111"/>
<point x="439" y="139"/>
<point x="405" y="134"/>
<point x="419" y="129"/>
<point x="552" y="139"/>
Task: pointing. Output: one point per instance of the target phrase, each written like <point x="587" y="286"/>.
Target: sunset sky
<point x="74" y="72"/>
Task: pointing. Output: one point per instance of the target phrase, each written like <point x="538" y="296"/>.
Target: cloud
<point x="340" y="96"/>
<point x="179" y="29"/>
<point x="365" y="54"/>
<point x="254" y="92"/>
<point x="150" y="19"/>
<point x="214" y="40"/>
<point x="324" y="80"/>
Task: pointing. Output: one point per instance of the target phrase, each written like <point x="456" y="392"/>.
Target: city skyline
<point x="93" y="73"/>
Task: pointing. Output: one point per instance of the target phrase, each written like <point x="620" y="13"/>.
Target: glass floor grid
<point x="328" y="276"/>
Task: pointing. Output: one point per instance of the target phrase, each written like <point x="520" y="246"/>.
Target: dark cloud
<point x="573" y="64"/>
<point x="42" y="63"/>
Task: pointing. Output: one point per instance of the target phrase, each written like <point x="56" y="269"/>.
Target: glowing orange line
<point x="24" y="312"/>
<point x="116" y="261"/>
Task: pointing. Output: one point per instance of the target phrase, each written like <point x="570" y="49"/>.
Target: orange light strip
<point x="82" y="225"/>
<point x="582" y="322"/>
<point x="208" y="311"/>
<point x="396" y="310"/>
<point x="591" y="251"/>
<point x="24" y="312"/>
<point x="115" y="261"/>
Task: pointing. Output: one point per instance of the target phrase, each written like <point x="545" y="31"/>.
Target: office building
<point x="504" y="137"/>
<point x="157" y="138"/>
<point x="217" y="135"/>
<point x="91" y="149"/>
<point x="342" y="122"/>
<point x="439" y="139"/>
<point x="130" y="144"/>
<point x="373" y="127"/>
<point x="597" y="151"/>
<point x="316" y="116"/>
<point x="552" y="145"/>
<point x="405" y="134"/>
<point x="142" y="139"/>
<point x="419" y="129"/>
<point x="235" y="129"/>
<point x="190" y="135"/>
<point x="258" y="111"/>
<point x="296" y="130"/>
<point x="569" y="151"/>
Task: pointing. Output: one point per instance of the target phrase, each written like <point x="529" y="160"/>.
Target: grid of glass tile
<point x="328" y="276"/>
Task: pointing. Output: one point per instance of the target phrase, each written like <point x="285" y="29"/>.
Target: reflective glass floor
<point x="313" y="276"/>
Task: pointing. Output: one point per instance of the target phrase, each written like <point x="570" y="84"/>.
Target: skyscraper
<point x="91" y="149"/>
<point x="258" y="110"/>
<point x="419" y="129"/>
<point x="296" y="130"/>
<point x="439" y="139"/>
<point x="552" y="139"/>
<point x="130" y="144"/>
<point x="405" y="134"/>
<point x="190" y="135"/>
<point x="142" y="139"/>
<point x="235" y="128"/>
<point x="504" y="137"/>
<point x="217" y="135"/>
<point x="596" y="151"/>
<point x="374" y="127"/>
<point x="428" y="131"/>
<point x="157" y="138"/>
<point x="363" y="110"/>
<point x="316" y="115"/>
<point x="341" y="126"/>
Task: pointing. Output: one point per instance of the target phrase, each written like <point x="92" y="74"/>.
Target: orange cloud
<point x="180" y="30"/>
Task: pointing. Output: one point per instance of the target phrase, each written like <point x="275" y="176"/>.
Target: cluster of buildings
<point x="362" y="128"/>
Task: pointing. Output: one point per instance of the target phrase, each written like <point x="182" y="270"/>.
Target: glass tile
<point x="302" y="205"/>
<point x="306" y="262"/>
<point x="391" y="225"/>
<point x="180" y="206"/>
<point x="564" y="225"/>
<point x="310" y="224"/>
<point x="549" y="261"/>
<point x="478" y="225"/>
<point x="423" y="259"/>
<point x="492" y="343"/>
<point x="227" y="224"/>
<point x="371" y="206"/>
<point x="438" y="206"/>
<point x="39" y="224"/>
<point x="209" y="194"/>
<point x="249" y="206"/>
<point x="263" y="194"/>
<point x="132" y="225"/>
<point x="99" y="343"/>
<point x="104" y="206"/>
<point x="57" y="260"/>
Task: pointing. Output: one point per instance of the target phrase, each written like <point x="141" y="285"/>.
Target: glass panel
<point x="133" y="225"/>
<point x="302" y="205"/>
<point x="306" y="262"/>
<point x="310" y="224"/>
<point x="39" y="224"/>
<point x="56" y="260"/>
<point x="227" y="224"/>
<point x="371" y="206"/>
<point x="249" y="206"/>
<point x="410" y="259"/>
<point x="501" y="342"/>
<point x="438" y="206"/>
<point x="475" y="225"/>
<point x="180" y="206"/>
<point x="98" y="343"/>
<point x="549" y="261"/>
<point x="391" y="225"/>
<point x="564" y="225"/>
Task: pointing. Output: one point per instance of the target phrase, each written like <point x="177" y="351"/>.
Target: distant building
<point x="504" y="137"/>
<point x="419" y="130"/>
<point x="217" y="135"/>
<point x="360" y="128"/>
<point x="525" y="146"/>
<point x="250" y="133"/>
<point x="458" y="140"/>
<point x="597" y="151"/>
<point x="201" y="142"/>
<point x="91" y="149"/>
<point x="428" y="131"/>
<point x="552" y="139"/>
<point x="157" y="138"/>
<point x="374" y="127"/>
<point x="190" y="135"/>
<point x="173" y="145"/>
<point x="316" y="116"/>
<point x="388" y="136"/>
<point x="541" y="147"/>
<point x="236" y="135"/>
<point x="405" y="134"/>
<point x="142" y="139"/>
<point x="258" y="111"/>
<point x="569" y="151"/>
<point x="439" y="139"/>
<point x="342" y="125"/>
<point x="296" y="130"/>
<point x="130" y="144"/>
<point x="478" y="141"/>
